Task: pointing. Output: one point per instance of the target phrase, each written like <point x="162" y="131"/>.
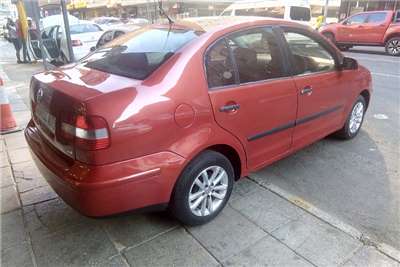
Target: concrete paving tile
<point x="227" y="234"/>
<point x="266" y="252"/>
<point x="19" y="155"/>
<point x="15" y="141"/>
<point x="9" y="199"/>
<point x="244" y="187"/>
<point x="37" y="195"/>
<point x="370" y="257"/>
<point x="114" y="261"/>
<point x="267" y="210"/>
<point x="2" y="146"/>
<point x="19" y="255"/>
<point x="27" y="176"/>
<point x="48" y="217"/>
<point x="22" y="118"/>
<point x="131" y="229"/>
<point x="76" y="246"/>
<point x="3" y="160"/>
<point x="12" y="229"/>
<point x="317" y="241"/>
<point x="6" y="178"/>
<point x="175" y="248"/>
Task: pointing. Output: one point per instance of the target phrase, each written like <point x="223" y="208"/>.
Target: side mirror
<point x="348" y="63"/>
<point x="92" y="48"/>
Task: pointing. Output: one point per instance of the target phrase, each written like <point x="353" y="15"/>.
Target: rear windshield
<point x="300" y="13"/>
<point x="137" y="54"/>
<point x="84" y="28"/>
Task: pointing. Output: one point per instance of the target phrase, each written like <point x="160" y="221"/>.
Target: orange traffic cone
<point x="7" y="120"/>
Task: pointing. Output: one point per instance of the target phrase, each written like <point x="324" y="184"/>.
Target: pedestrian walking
<point x="13" y="37"/>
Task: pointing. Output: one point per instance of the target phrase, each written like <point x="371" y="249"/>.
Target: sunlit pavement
<point x="357" y="181"/>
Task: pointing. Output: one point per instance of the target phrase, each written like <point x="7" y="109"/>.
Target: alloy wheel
<point x="356" y="117"/>
<point x="394" y="47"/>
<point x="208" y="191"/>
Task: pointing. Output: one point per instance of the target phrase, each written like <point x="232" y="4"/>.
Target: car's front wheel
<point x="354" y="120"/>
<point x="203" y="188"/>
<point x="393" y="46"/>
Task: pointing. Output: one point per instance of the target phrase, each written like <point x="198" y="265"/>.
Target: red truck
<point x="374" y="28"/>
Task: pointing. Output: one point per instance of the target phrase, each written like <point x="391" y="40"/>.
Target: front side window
<point x="309" y="55"/>
<point x="256" y="54"/>
<point x="105" y="38"/>
<point x="356" y="19"/>
<point x="137" y="54"/>
<point x="377" y="17"/>
<point x="219" y="65"/>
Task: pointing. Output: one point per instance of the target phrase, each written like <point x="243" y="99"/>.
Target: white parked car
<point x="84" y="35"/>
<point x="296" y="10"/>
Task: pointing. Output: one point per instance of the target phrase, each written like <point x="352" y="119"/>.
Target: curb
<point x="384" y="248"/>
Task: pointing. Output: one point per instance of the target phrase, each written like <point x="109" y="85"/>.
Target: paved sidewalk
<point x="258" y="227"/>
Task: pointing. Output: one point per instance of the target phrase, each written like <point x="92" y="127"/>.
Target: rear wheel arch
<point x="366" y="96"/>
<point x="231" y="154"/>
<point x="390" y="36"/>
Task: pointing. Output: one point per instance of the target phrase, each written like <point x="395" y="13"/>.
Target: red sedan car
<point x="172" y="115"/>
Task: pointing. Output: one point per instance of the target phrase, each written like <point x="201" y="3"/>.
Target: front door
<point x="352" y="29"/>
<point x="251" y="94"/>
<point x="320" y="87"/>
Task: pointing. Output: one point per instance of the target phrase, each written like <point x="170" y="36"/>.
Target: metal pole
<point x="67" y="31"/>
<point x="325" y="11"/>
<point x="35" y="12"/>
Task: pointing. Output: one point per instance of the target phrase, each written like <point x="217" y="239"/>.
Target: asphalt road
<point x="358" y="180"/>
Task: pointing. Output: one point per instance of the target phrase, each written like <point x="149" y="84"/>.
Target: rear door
<point x="376" y="26"/>
<point x="251" y="94"/>
<point x="321" y="89"/>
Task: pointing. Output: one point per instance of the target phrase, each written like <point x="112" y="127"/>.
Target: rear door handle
<point x="306" y="90"/>
<point x="229" y="108"/>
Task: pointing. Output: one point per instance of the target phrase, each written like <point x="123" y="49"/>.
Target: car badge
<point x="39" y="94"/>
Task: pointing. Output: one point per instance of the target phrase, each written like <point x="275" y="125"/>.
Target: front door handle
<point x="306" y="90"/>
<point x="229" y="108"/>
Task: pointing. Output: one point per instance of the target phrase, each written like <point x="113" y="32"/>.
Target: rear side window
<point x="219" y="66"/>
<point x="256" y="54"/>
<point x="251" y="55"/>
<point x="377" y="17"/>
<point x="309" y="56"/>
<point x="300" y="13"/>
<point x="137" y="54"/>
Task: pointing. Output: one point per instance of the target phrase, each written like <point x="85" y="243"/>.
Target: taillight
<point x="76" y="43"/>
<point x="86" y="132"/>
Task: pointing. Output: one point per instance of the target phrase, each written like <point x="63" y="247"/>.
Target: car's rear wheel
<point x="354" y="120"/>
<point x="203" y="188"/>
<point x="393" y="46"/>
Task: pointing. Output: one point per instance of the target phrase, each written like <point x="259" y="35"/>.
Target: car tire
<point x="392" y="46"/>
<point x="196" y="201"/>
<point x="354" y="120"/>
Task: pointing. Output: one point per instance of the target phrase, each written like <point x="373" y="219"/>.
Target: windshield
<point x="300" y="13"/>
<point x="137" y="54"/>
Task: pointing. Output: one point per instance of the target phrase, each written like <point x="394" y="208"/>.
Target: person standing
<point x="22" y="39"/>
<point x="13" y="36"/>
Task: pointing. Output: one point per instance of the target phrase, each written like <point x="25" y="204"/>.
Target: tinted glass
<point x="105" y="38"/>
<point x="118" y="33"/>
<point x="219" y="65"/>
<point x="300" y="13"/>
<point x="376" y="17"/>
<point x="137" y="54"/>
<point x="308" y="54"/>
<point x="257" y="55"/>
<point x="84" y="28"/>
<point x="357" y="19"/>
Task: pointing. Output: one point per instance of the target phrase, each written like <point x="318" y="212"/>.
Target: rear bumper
<point x="100" y="190"/>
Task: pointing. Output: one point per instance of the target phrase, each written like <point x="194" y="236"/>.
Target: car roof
<point x="208" y="24"/>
